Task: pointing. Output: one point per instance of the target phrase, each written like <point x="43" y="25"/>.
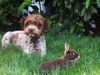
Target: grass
<point x="14" y="62"/>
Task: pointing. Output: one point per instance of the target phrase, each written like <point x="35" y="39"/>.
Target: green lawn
<point x="14" y="62"/>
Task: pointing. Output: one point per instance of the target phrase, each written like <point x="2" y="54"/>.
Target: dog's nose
<point x="31" y="30"/>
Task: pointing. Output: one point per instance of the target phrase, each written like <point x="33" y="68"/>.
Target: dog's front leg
<point x="41" y="46"/>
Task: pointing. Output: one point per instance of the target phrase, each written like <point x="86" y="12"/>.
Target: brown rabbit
<point x="69" y="57"/>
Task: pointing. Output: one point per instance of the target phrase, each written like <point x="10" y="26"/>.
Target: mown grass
<point x="14" y="62"/>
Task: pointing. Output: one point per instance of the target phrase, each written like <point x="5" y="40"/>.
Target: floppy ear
<point x="22" y="21"/>
<point x="45" y="24"/>
<point x="66" y="47"/>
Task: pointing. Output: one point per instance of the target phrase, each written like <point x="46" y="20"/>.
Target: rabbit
<point x="68" y="58"/>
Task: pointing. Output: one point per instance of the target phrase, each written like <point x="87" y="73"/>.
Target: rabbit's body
<point x="54" y="64"/>
<point x="67" y="59"/>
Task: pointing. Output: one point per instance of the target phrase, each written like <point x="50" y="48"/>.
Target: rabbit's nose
<point x="78" y="56"/>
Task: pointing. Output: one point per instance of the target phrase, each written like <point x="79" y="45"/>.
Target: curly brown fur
<point x="34" y="24"/>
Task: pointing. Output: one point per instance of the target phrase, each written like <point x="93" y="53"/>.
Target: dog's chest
<point x="25" y="42"/>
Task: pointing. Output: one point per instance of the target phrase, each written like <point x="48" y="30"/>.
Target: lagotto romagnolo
<point x="31" y="38"/>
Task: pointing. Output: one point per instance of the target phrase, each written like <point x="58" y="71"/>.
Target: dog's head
<point x="34" y="25"/>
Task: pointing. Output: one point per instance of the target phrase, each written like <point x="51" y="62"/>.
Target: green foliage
<point x="98" y="3"/>
<point x="8" y="8"/>
<point x="88" y="10"/>
<point x="66" y="13"/>
<point x="87" y="4"/>
<point x="25" y="2"/>
<point x="70" y="10"/>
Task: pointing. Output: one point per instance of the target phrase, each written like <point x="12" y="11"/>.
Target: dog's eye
<point x="39" y="26"/>
<point x="31" y="22"/>
<point x="27" y="23"/>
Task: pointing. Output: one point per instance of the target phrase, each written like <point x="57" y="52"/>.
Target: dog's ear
<point x="45" y="23"/>
<point x="66" y="46"/>
<point x="42" y="21"/>
<point x="22" y="21"/>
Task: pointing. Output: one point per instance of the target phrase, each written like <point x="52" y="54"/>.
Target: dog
<point x="31" y="38"/>
<point x="69" y="57"/>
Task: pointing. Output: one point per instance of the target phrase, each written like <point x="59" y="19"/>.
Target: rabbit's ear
<point x="66" y="47"/>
